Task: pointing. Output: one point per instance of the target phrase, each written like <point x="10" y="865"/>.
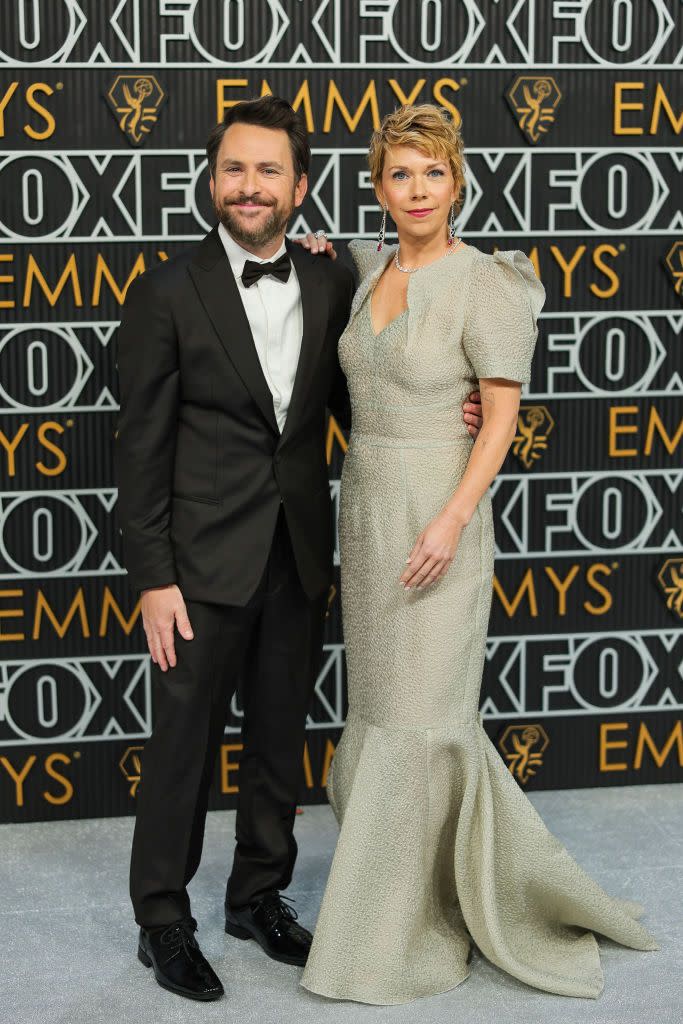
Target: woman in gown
<point x="438" y="848"/>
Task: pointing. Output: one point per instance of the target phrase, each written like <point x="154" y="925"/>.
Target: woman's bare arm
<point x="435" y="548"/>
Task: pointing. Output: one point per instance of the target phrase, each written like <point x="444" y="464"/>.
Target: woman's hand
<point x="433" y="551"/>
<point x="317" y="244"/>
<point x="471" y="414"/>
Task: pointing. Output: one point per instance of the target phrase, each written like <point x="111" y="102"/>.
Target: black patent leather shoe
<point x="272" y="922"/>
<point x="178" y="962"/>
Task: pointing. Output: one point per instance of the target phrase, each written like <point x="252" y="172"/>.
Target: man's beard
<point x="273" y="226"/>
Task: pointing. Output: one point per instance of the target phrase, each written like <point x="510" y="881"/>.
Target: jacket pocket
<point x="192" y="497"/>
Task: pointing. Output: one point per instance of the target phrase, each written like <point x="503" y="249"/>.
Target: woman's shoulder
<point x="367" y="256"/>
<point x="506" y="276"/>
<point x="503" y="263"/>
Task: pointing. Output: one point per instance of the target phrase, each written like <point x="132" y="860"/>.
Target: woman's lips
<point x="419" y="213"/>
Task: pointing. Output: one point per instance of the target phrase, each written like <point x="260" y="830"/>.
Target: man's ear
<point x="212" y="185"/>
<point x="300" y="190"/>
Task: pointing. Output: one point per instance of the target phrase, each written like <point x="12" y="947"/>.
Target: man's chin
<point x="245" y="228"/>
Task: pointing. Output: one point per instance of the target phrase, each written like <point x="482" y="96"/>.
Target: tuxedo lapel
<point x="314" y="307"/>
<point x="217" y="288"/>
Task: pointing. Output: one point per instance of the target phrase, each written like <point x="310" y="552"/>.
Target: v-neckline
<point x="376" y="334"/>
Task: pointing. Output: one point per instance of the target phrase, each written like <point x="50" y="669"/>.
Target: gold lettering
<point x="77" y="605"/>
<point x="437" y="92"/>
<point x="616" y="428"/>
<point x="402" y="97"/>
<point x="527" y="585"/>
<point x="221" y="103"/>
<point x="606" y="744"/>
<point x="40" y="109"/>
<point x="659" y="757"/>
<point x="561" y="586"/>
<point x="567" y="268"/>
<point x="661" y="102"/>
<point x="533" y="256"/>
<point x="11" y="613"/>
<point x="51" y="447"/>
<point x="102" y="271"/>
<point x="9" y="93"/>
<point x="369" y="98"/>
<point x="70" y="272"/>
<point x="308" y="771"/>
<point x="327" y="761"/>
<point x="334" y="433"/>
<point x="11" y="447"/>
<point x="228" y="766"/>
<point x="109" y="603"/>
<point x="7" y="257"/>
<point x="598" y="567"/>
<point x="303" y="98"/>
<point x="609" y="272"/>
<point x="620" y="105"/>
<point x="18" y="777"/>
<point x="62" y="798"/>
<point x="655" y="423"/>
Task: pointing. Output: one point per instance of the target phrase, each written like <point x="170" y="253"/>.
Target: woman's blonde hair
<point x="426" y="128"/>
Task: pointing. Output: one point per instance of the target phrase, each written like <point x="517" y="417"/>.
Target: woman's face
<point x="418" y="189"/>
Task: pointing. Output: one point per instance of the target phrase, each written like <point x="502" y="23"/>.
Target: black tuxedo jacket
<point x="200" y="463"/>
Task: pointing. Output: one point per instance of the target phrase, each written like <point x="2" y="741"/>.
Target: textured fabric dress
<point x="438" y="844"/>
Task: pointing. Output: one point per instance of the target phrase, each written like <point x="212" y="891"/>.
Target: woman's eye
<point x="399" y="174"/>
<point x="437" y="171"/>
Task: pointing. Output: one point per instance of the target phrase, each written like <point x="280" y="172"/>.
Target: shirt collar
<point x="239" y="256"/>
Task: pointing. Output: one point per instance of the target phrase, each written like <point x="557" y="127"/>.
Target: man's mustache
<point x="247" y="199"/>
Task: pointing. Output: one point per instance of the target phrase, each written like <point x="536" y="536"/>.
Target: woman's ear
<point x="380" y="197"/>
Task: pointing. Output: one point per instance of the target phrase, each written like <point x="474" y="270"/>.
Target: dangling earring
<point x="382" y="231"/>
<point x="451" y="225"/>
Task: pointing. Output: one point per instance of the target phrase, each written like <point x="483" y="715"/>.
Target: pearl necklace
<point x="411" y="270"/>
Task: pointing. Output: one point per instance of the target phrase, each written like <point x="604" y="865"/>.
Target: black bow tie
<point x="280" y="269"/>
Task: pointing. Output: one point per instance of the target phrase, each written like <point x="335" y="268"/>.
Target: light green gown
<point x="437" y="840"/>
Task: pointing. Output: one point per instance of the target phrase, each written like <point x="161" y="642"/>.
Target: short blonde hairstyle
<point x="426" y="128"/>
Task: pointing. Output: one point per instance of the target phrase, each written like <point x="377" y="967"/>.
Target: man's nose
<point x="250" y="182"/>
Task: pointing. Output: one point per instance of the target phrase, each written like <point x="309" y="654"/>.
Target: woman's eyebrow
<point x="401" y="167"/>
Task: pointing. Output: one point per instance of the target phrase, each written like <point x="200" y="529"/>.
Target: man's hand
<point x="472" y="413"/>
<point x="316" y="245"/>
<point x="163" y="609"/>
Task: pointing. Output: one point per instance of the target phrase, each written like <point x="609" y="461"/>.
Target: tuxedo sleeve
<point x="144" y="449"/>
<point x="339" y="402"/>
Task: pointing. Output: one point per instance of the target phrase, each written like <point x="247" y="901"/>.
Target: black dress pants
<point x="272" y="646"/>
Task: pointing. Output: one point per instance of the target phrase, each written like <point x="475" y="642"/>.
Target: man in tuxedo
<point x="227" y="358"/>
<point x="227" y="361"/>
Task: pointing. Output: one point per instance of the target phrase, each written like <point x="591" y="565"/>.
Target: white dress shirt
<point x="274" y="313"/>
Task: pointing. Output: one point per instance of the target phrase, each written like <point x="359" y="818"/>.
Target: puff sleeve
<point x="501" y="325"/>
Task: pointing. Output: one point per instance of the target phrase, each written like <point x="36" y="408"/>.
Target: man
<point x="227" y="361"/>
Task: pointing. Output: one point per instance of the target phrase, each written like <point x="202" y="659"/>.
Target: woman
<point x="438" y="847"/>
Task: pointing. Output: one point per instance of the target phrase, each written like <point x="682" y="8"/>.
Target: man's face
<point x="254" y="190"/>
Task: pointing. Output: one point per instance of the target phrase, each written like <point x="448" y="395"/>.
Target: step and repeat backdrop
<point x="572" y="116"/>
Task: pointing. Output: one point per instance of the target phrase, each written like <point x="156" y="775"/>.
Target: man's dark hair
<point x="267" y="112"/>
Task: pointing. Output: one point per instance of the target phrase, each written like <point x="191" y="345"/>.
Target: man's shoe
<point x="273" y="924"/>
<point x="178" y="962"/>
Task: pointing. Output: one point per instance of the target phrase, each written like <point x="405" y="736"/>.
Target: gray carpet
<point x="70" y="940"/>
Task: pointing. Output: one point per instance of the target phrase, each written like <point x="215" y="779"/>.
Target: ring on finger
<point x="320" y="233"/>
